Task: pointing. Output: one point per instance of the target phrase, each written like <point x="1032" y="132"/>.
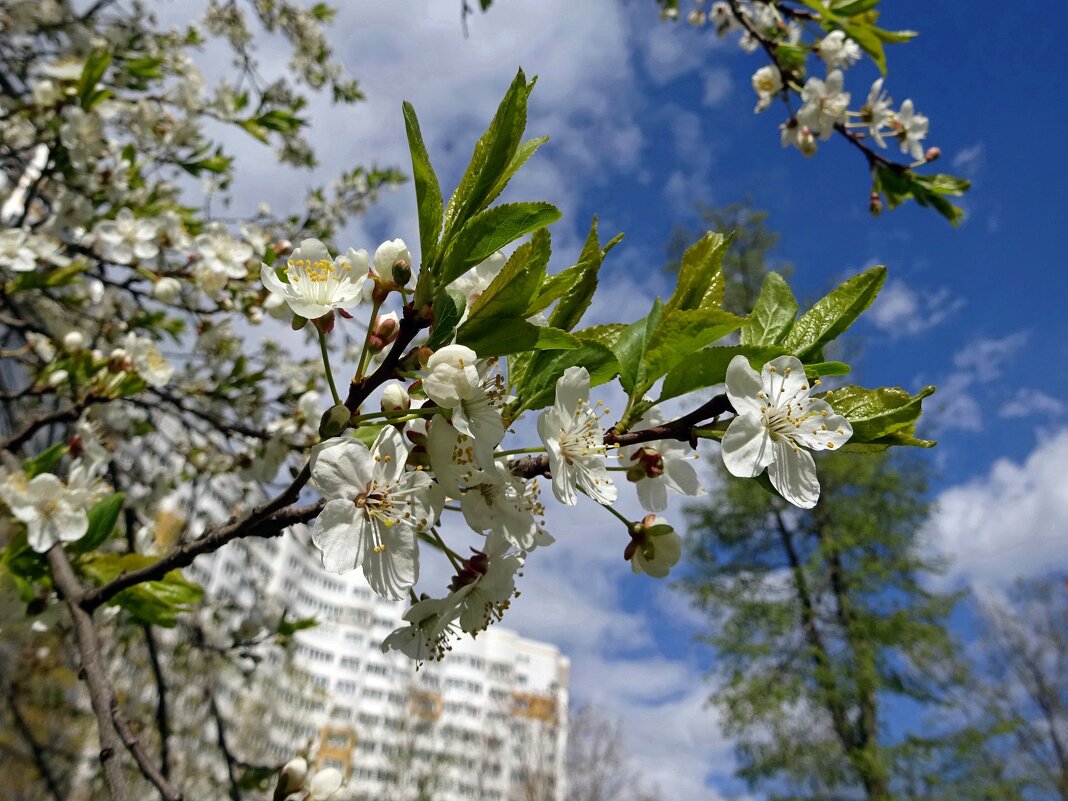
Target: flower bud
<point x="654" y="547"/>
<point x="806" y="142"/>
<point x="395" y="399"/>
<point x="291" y="777"/>
<point x="402" y="273"/>
<point x="382" y="286"/>
<point x="167" y="290"/>
<point x="334" y="421"/>
<point x="74" y="341"/>
<point x="875" y="204"/>
<point x="58" y="377"/>
<point x="933" y="154"/>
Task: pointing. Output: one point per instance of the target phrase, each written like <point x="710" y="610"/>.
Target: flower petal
<point x="744" y="386"/>
<point x="389" y="453"/>
<point x="341" y="467"/>
<point x="746" y="446"/>
<point x="392" y="571"/>
<point x="652" y="494"/>
<point x="573" y="388"/>
<point x="784" y="379"/>
<point x="793" y="474"/>
<point x="338" y="535"/>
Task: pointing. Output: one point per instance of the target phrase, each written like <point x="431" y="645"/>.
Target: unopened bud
<point x="58" y="377"/>
<point x="334" y="421"/>
<point x="933" y="154"/>
<point x="386" y="327"/>
<point x="402" y="273"/>
<point x="74" y="341"/>
<point x="291" y="777"/>
<point x="875" y="204"/>
<point x="382" y="287"/>
<point x="166" y="289"/>
<point x="806" y="142"/>
<point x="395" y="399"/>
<point x="282" y="247"/>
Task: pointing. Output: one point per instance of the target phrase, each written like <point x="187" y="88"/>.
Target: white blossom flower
<point x="457" y="382"/>
<point x="374" y="510"/>
<point x="825" y="104"/>
<point x="655" y="549"/>
<point x="796" y="134"/>
<point x="126" y="238"/>
<point x="484" y="587"/>
<point x="430" y="627"/>
<point x="317" y="283"/>
<point x="776" y="420"/>
<point x="390" y="253"/>
<point x="911" y="129"/>
<point x="658" y="466"/>
<point x="325" y="784"/>
<point x="452" y="457"/>
<point x="876" y="113"/>
<point x="222" y="253"/>
<point x="475" y="281"/>
<point x="82" y="134"/>
<point x="767" y="82"/>
<point x="16" y="251"/>
<point x="507" y="508"/>
<point x="147" y="360"/>
<point x="838" y="50"/>
<point x="52" y="513"/>
<point x="167" y="289"/>
<point x="573" y="436"/>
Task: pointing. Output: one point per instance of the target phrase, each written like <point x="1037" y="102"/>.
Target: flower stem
<point x="453" y="558"/>
<point x="365" y="352"/>
<point x="326" y="365"/>
<point x="626" y="522"/>
<point x="708" y="433"/>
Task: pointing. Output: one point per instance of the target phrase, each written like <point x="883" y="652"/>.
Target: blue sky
<point x="647" y="120"/>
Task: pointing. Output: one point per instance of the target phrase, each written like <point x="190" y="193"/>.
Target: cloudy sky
<point x="647" y="120"/>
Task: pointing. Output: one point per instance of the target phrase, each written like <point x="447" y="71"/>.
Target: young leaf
<point x="102" y="519"/>
<point x="155" y="602"/>
<point x="877" y="413"/>
<point x="511" y="291"/>
<point x="773" y="313"/>
<point x="680" y="333"/>
<point x="700" y="282"/>
<point x="95" y="66"/>
<point x="501" y="337"/>
<point x="708" y="367"/>
<point x="45" y="460"/>
<point x="488" y="232"/>
<point x="573" y="303"/>
<point x="448" y="309"/>
<point x="833" y="314"/>
<point x="629" y="347"/>
<point x="427" y="192"/>
<point x="538" y="388"/>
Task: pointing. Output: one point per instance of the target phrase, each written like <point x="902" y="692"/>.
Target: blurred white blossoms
<point x="222" y="257"/>
<point x="147" y="360"/>
<point x="767" y="82"/>
<point x="876" y="113"/>
<point x="660" y="465"/>
<point x="375" y="509"/>
<point x="53" y="511"/>
<point x="572" y="434"/>
<point x="825" y="104"/>
<point x="318" y="283"/>
<point x="776" y="419"/>
<point x="838" y="50"/>
<point x="16" y="251"/>
<point x="654" y="548"/>
<point x="430" y="626"/>
<point x="126" y="238"/>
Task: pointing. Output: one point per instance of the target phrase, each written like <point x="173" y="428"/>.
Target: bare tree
<point x="598" y="765"/>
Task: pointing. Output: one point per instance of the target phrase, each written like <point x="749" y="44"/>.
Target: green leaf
<point x="95" y="66"/>
<point x="489" y="231"/>
<point x="773" y="313"/>
<point x="849" y="8"/>
<point x="427" y="191"/>
<point x="629" y="346"/>
<point x="501" y="337"/>
<point x="492" y="156"/>
<point x="700" y="282"/>
<point x="511" y="291"/>
<point x="449" y="307"/>
<point x="927" y="190"/>
<point x="102" y="519"/>
<point x="877" y="413"/>
<point x="708" y="367"/>
<point x="679" y="335"/>
<point x="574" y="302"/>
<point x="607" y="335"/>
<point x="26" y="566"/>
<point x="538" y="389"/>
<point x="45" y="460"/>
<point x="155" y="602"/>
<point x="833" y="314"/>
<point x="521" y="156"/>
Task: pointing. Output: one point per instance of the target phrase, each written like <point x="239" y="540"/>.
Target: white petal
<point x="652" y="494"/>
<point x="793" y="474"/>
<point x="390" y="454"/>
<point x="823" y="433"/>
<point x="325" y="783"/>
<point x="743" y="386"/>
<point x="682" y="477"/>
<point x="393" y="571"/>
<point x="312" y="250"/>
<point x="746" y="446"/>
<point x="783" y="379"/>
<point x="336" y="533"/>
<point x="573" y="388"/>
<point x="341" y="467"/>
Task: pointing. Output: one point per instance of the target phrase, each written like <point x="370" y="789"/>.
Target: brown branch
<point x="92" y="670"/>
<point x="264" y="521"/>
<point x="162" y="719"/>
<point x="67" y="414"/>
<point x="680" y="429"/>
<point x="137" y="751"/>
<point x="40" y="759"/>
<point x="224" y="746"/>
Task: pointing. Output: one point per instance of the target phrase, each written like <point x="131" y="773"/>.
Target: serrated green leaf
<point x="877" y="413"/>
<point x="45" y="460"/>
<point x="607" y="334"/>
<point x="833" y="314"/>
<point x="427" y="190"/>
<point x="700" y="282"/>
<point x="492" y="155"/>
<point x="708" y="367"/>
<point x="927" y="190"/>
<point x="849" y="8"/>
<point x="102" y="518"/>
<point x="680" y="334"/>
<point x="514" y="287"/>
<point x="486" y="233"/>
<point x="95" y="66"/>
<point x="449" y="307"/>
<point x="773" y="313"/>
<point x="539" y="386"/>
<point x="522" y="155"/>
<point x="576" y="300"/>
<point x="155" y="602"/>
<point x="630" y="346"/>
<point x="501" y="337"/>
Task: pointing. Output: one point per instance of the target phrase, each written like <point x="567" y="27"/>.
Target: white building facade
<point x="487" y="723"/>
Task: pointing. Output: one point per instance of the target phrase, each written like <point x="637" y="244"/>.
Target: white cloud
<point x="717" y="88"/>
<point x="982" y="361"/>
<point x="1029" y="402"/>
<point x="969" y="161"/>
<point x="900" y="310"/>
<point x="1010" y="522"/>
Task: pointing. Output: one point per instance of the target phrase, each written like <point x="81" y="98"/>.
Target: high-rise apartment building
<point x="488" y="723"/>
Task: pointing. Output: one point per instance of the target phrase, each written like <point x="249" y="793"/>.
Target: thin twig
<point x="40" y="759"/>
<point x="137" y="750"/>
